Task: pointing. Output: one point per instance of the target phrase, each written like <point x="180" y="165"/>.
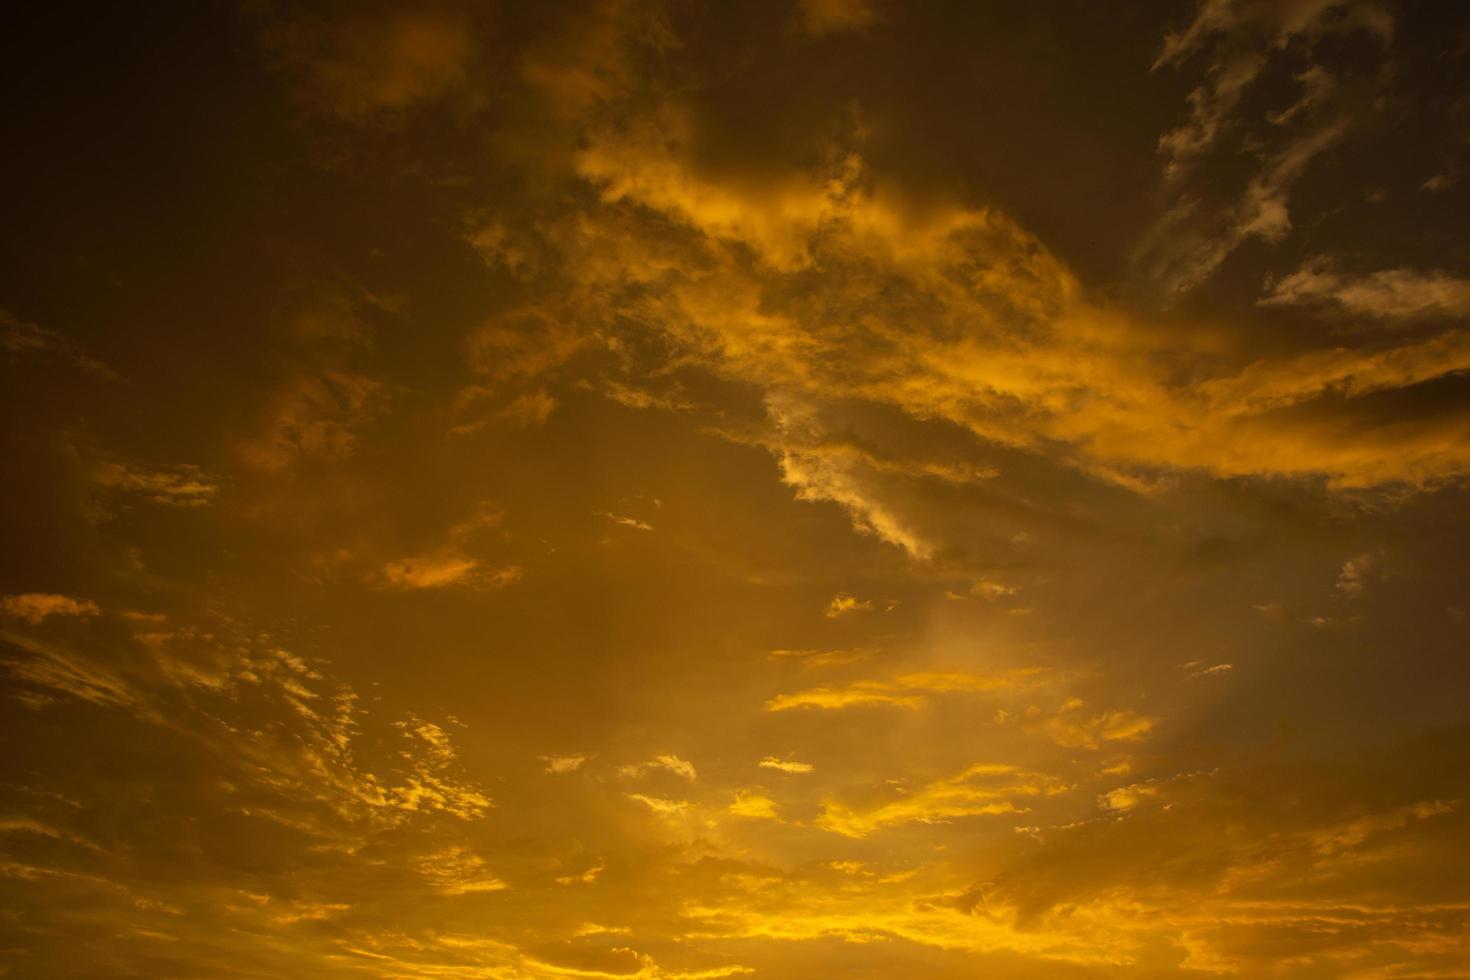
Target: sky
<point x="674" y="490"/>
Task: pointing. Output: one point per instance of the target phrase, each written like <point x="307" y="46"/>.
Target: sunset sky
<point x="675" y="490"/>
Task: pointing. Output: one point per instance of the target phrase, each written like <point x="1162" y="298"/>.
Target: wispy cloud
<point x="754" y="805"/>
<point x="1386" y="294"/>
<point x="812" y="659"/>
<point x="181" y="485"/>
<point x="668" y="762"/>
<point x="1354" y="575"/>
<point x="314" y="415"/>
<point x="981" y="789"/>
<point x="906" y="691"/>
<point x="1239" y="44"/>
<point x="660" y="806"/>
<point x="1073" y="726"/>
<point x="632" y="523"/>
<point x="560" y="764"/>
<point x="375" y="64"/>
<point x="458" y="871"/>
<point x="820" y="17"/>
<point x="844" y="603"/>
<point x="33" y="607"/>
<point x="27" y="340"/>
<point x="1199" y="668"/>
<point x="429" y="571"/>
<point x="785" y="765"/>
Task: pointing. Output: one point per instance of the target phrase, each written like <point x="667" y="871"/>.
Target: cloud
<point x="672" y="763"/>
<point x="17" y="337"/>
<point x="662" y="807"/>
<point x="450" y="564"/>
<point x="323" y="399"/>
<point x="191" y="657"/>
<point x="586" y="878"/>
<point x="1388" y="294"/>
<point x="1191" y="241"/>
<point x="521" y="344"/>
<point x="738" y="233"/>
<point x="1198" y="668"/>
<point x="373" y="62"/>
<point x="1127" y="797"/>
<point x="1259" y="858"/>
<point x="516" y="354"/>
<point x="52" y="670"/>
<point x="1353" y="834"/>
<point x="812" y="659"/>
<point x="784" y="765"/>
<point x="822" y="315"/>
<point x="430" y="784"/>
<point x="860" y="694"/>
<point x="863" y="912"/>
<point x="754" y="805"/>
<point x="532" y="408"/>
<point x="642" y="398"/>
<point x="429" y="572"/>
<point x="1210" y="107"/>
<point x="314" y="416"/>
<point x="559" y="764"/>
<point x="677" y="766"/>
<point x="629" y="522"/>
<point x="22" y="339"/>
<point x="821" y="17"/>
<point x="529" y="408"/>
<point x="844" y="603"/>
<point x="1114" y="726"/>
<point x="36" y="606"/>
<point x="592" y="60"/>
<point x="981" y="789"/>
<point x="1353" y="577"/>
<point x="182" y="485"/>
<point x="1072" y="727"/>
<point x="991" y="589"/>
<point x="824" y="469"/>
<point x="827" y="457"/>
<point x="441" y="952"/>
<point x="907" y="691"/>
<point x="1240" y="42"/>
<point x="1279" y="23"/>
<point x="278" y="728"/>
<point x="457" y="870"/>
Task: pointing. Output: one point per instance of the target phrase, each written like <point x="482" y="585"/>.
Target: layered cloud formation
<point x="661" y="490"/>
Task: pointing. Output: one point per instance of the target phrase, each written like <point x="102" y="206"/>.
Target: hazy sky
<point x="656" y="489"/>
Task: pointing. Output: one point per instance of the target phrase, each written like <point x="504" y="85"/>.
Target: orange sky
<point x="833" y="488"/>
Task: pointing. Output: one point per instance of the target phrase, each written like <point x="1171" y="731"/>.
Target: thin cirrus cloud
<point x="785" y="765"/>
<point x="182" y="485"/>
<point x="1235" y="46"/>
<point x="562" y="764"/>
<point x="845" y="604"/>
<point x="910" y="691"/>
<point x="984" y="789"/>
<point x="1385" y="294"/>
<point x="668" y="762"/>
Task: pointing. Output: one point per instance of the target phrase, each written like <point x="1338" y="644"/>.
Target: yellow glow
<point x="793" y="489"/>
